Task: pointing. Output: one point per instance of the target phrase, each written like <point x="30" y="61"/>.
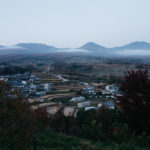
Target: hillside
<point x="48" y="140"/>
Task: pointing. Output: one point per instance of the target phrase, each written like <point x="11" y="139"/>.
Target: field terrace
<point x="53" y="107"/>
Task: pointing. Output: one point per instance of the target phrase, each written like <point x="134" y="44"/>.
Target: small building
<point x="33" y="87"/>
<point x="47" y="87"/>
<point x="99" y="105"/>
<point x="84" y="104"/>
<point x="113" y="97"/>
<point x="24" y="82"/>
<point x="3" y="78"/>
<point x="90" y="90"/>
<point x="90" y="108"/>
<point x="112" y="88"/>
<point x="109" y="105"/>
<point x="43" y="93"/>
<point x="77" y="99"/>
<point x="105" y="92"/>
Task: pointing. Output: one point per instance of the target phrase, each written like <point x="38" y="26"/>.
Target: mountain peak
<point x="92" y="46"/>
<point x="137" y="45"/>
<point x="91" y="43"/>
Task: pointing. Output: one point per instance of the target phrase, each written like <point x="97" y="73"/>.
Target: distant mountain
<point x="91" y="46"/>
<point x="135" y="46"/>
<point x="131" y="49"/>
<point x="27" y="48"/>
<point x="37" y="47"/>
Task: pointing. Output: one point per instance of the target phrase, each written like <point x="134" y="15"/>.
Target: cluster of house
<point x="27" y="83"/>
<point x="111" y="91"/>
<point x="87" y="105"/>
<point x="89" y="90"/>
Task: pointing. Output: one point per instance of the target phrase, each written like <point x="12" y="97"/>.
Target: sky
<point x="72" y="23"/>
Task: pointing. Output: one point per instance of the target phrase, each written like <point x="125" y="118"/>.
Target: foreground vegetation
<point x="48" y="140"/>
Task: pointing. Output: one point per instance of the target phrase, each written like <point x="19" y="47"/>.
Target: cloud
<point x="129" y="52"/>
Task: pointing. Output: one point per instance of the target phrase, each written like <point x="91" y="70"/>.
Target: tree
<point x="16" y="119"/>
<point x="135" y="101"/>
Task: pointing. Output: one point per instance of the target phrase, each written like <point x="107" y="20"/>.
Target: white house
<point x="84" y="104"/>
<point x="108" y="104"/>
<point x="77" y="99"/>
<point x="33" y="87"/>
<point x="112" y="88"/>
<point x="90" y="108"/>
<point x="47" y="87"/>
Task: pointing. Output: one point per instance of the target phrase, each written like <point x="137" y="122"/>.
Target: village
<point x="54" y="92"/>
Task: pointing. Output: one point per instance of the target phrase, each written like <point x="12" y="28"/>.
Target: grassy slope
<point x="53" y="141"/>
